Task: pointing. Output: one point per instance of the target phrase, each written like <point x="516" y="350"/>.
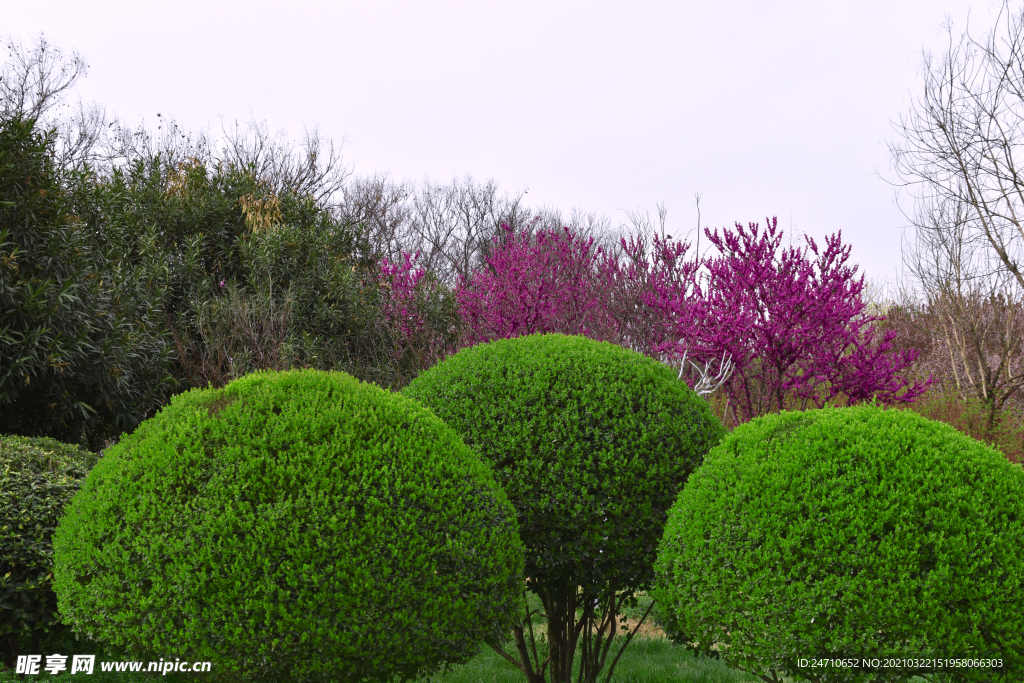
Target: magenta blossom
<point x="795" y="327"/>
<point x="791" y="322"/>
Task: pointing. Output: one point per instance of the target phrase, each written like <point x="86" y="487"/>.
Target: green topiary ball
<point x="851" y="533"/>
<point x="299" y="526"/>
<point x="38" y="477"/>
<point x="592" y="442"/>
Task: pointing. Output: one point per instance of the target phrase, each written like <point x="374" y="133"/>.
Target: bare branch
<point x="961" y="139"/>
<point x="708" y="383"/>
<point x="314" y="168"/>
<point x="384" y="208"/>
<point x="34" y="79"/>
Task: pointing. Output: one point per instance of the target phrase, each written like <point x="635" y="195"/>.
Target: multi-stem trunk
<point x="560" y="604"/>
<point x="600" y="628"/>
<point x="575" y="620"/>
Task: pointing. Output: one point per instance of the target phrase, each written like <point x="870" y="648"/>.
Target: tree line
<point x="136" y="264"/>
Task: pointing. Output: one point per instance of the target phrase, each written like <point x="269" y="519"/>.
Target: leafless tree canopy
<point x="123" y="144"/>
<point x="384" y="208"/>
<point x="958" y="159"/>
<point x="313" y="168"/>
<point x="454" y="227"/>
<point x="35" y="79"/>
<point x="961" y="142"/>
<point x="80" y="133"/>
<point x="972" y="313"/>
<point x="35" y="82"/>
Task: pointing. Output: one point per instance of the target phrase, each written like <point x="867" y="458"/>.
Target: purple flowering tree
<point x="782" y="328"/>
<point x="421" y="316"/>
<point x="632" y="287"/>
<point x="794" y="325"/>
<point x="543" y="283"/>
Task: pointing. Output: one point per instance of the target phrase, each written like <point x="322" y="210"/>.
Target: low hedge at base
<point x="38" y="477"/>
<point x="849" y="533"/>
<point x="299" y="525"/>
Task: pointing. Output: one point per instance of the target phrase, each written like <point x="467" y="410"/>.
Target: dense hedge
<point x="591" y="441"/>
<point x="38" y="477"/>
<point x="849" y="533"/>
<point x="298" y="524"/>
<point x="293" y="288"/>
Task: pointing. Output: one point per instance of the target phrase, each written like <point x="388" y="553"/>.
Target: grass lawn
<point x="646" y="660"/>
<point x="650" y="658"/>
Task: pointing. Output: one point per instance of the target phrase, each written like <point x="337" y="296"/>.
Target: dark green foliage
<point x="848" y="533"/>
<point x="298" y="289"/>
<point x="118" y="291"/>
<point x="298" y="524"/>
<point x="38" y="477"/>
<point x="81" y="357"/>
<point x="591" y="442"/>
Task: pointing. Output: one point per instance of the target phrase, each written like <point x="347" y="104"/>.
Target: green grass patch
<point x="646" y="660"/>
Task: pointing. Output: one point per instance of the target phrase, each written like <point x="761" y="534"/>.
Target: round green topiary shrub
<point x="592" y="443"/>
<point x="850" y="533"/>
<point x="38" y="477"/>
<point x="299" y="526"/>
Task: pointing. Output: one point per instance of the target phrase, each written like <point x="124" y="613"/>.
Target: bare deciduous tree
<point x="585" y="224"/>
<point x="314" y="168"/>
<point x="972" y="313"/>
<point x="451" y="226"/>
<point x="124" y="144"/>
<point x="959" y="162"/>
<point x="454" y="225"/>
<point x="35" y="81"/>
<point x="385" y="210"/>
<point x="80" y="133"/>
<point x="961" y="140"/>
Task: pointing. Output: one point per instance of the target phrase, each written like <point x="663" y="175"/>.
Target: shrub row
<point x="307" y="525"/>
<point x="38" y="477"/>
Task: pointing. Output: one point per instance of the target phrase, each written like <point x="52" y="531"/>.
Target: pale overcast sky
<point x="765" y="108"/>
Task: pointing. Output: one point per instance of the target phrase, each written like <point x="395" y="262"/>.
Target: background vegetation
<point x="137" y="264"/>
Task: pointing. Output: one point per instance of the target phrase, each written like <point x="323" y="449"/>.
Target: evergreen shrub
<point x="299" y="525"/>
<point x="38" y="477"/>
<point x="592" y="443"/>
<point x="81" y="356"/>
<point x="850" y="533"/>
